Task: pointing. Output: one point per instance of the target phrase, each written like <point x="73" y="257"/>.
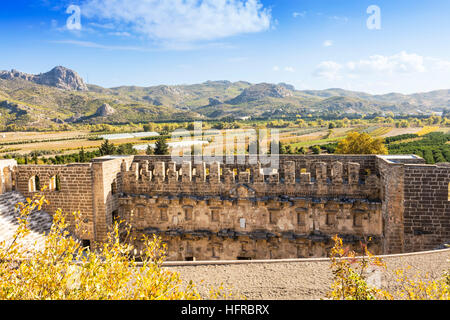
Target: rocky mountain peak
<point x="262" y="90"/>
<point x="105" y="110"/>
<point x="63" y="78"/>
<point x="58" y="77"/>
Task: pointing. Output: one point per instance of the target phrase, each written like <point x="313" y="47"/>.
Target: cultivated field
<point x="66" y="142"/>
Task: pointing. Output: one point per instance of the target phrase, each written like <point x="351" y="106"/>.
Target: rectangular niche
<point x="163" y="214"/>
<point x="188" y="213"/>
<point x="273" y="215"/>
<point x="215" y="214"/>
<point x="301" y="216"/>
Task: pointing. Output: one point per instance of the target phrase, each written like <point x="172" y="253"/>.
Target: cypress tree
<point x="161" y="146"/>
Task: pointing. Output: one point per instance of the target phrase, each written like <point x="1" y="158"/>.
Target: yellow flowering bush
<point x="361" y="143"/>
<point x="65" y="270"/>
<point x="422" y="287"/>
<point x="350" y="281"/>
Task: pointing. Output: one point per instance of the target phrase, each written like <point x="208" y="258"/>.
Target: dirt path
<point x="297" y="280"/>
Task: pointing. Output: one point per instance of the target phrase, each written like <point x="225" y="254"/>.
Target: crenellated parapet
<point x="324" y="179"/>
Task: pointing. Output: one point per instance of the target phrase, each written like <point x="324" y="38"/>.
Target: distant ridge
<point x="61" y="96"/>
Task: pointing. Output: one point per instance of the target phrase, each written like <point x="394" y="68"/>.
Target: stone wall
<point x="242" y="210"/>
<point x="105" y="181"/>
<point x="304" y="227"/>
<point x="298" y="207"/>
<point x="74" y="194"/>
<point x="84" y="188"/>
<point x="426" y="206"/>
<point x="333" y="179"/>
<point x="191" y="247"/>
<point x="392" y="196"/>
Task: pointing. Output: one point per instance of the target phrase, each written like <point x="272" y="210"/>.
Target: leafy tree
<point x="148" y="127"/>
<point x="301" y="123"/>
<point x="82" y="155"/>
<point x="301" y="150"/>
<point x="107" y="148"/>
<point x="126" y="149"/>
<point x="402" y="124"/>
<point x="161" y="147"/>
<point x="150" y="151"/>
<point x="446" y="122"/>
<point x="361" y="143"/>
<point x="34" y="156"/>
<point x="288" y="149"/>
<point x="316" y="149"/>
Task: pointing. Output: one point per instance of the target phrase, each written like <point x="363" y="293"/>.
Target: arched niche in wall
<point x="114" y="187"/>
<point x="34" y="184"/>
<point x="54" y="183"/>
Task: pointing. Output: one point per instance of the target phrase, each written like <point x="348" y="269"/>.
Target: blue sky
<point x="309" y="44"/>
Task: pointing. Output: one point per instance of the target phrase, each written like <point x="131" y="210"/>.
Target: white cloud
<point x="165" y="46"/>
<point x="403" y="72"/>
<point x="399" y="63"/>
<point x="299" y="14"/>
<point x="120" y="34"/>
<point x="438" y="64"/>
<point x="237" y="59"/>
<point x="327" y="43"/>
<point x="328" y="70"/>
<point x="183" y="20"/>
<point x="337" y="18"/>
<point x="109" y="26"/>
<point x="289" y="69"/>
<point x="89" y="44"/>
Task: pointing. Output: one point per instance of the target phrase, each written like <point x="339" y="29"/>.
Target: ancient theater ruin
<point x="218" y="211"/>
